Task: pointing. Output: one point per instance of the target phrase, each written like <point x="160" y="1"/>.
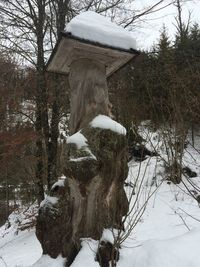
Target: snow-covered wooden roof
<point x="94" y="27"/>
<point x="90" y="35"/>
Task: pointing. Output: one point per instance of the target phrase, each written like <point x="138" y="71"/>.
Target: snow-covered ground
<point x="166" y="235"/>
<point x="20" y="251"/>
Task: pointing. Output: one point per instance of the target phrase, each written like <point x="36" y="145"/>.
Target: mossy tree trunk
<point x="92" y="197"/>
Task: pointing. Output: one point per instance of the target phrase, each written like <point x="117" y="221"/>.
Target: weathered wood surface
<point x="89" y="93"/>
<point x="93" y="196"/>
<point x="70" y="50"/>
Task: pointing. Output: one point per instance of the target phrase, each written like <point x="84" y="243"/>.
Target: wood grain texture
<point x="89" y="92"/>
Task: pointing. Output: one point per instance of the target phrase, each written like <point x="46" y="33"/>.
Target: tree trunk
<point x="42" y="130"/>
<point x="39" y="156"/>
<point x="92" y="197"/>
<point x="54" y="133"/>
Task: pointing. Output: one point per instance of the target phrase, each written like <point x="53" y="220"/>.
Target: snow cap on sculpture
<point x="91" y="26"/>
<point x="93" y="36"/>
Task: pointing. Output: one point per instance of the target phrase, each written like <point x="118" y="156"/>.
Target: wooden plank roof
<point x="70" y="48"/>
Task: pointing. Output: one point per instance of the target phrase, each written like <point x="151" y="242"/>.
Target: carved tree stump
<point x="92" y="197"/>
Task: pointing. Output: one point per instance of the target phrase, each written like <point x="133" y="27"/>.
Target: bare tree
<point x="27" y="29"/>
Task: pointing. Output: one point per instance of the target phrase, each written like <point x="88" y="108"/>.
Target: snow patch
<point x="22" y="250"/>
<point x="83" y="158"/>
<point x="97" y="28"/>
<point x="48" y="201"/>
<point x="63" y="177"/>
<point x="105" y="122"/>
<point x="176" y="252"/>
<point x="87" y="254"/>
<point x="20" y="219"/>
<point x="60" y="182"/>
<point x="78" y="139"/>
<point x="81" y="142"/>
<point x="108" y="235"/>
<point x="47" y="261"/>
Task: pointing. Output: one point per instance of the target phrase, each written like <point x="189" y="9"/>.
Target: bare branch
<point x="150" y="10"/>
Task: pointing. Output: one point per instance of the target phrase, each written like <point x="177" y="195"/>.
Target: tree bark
<point x="52" y="170"/>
